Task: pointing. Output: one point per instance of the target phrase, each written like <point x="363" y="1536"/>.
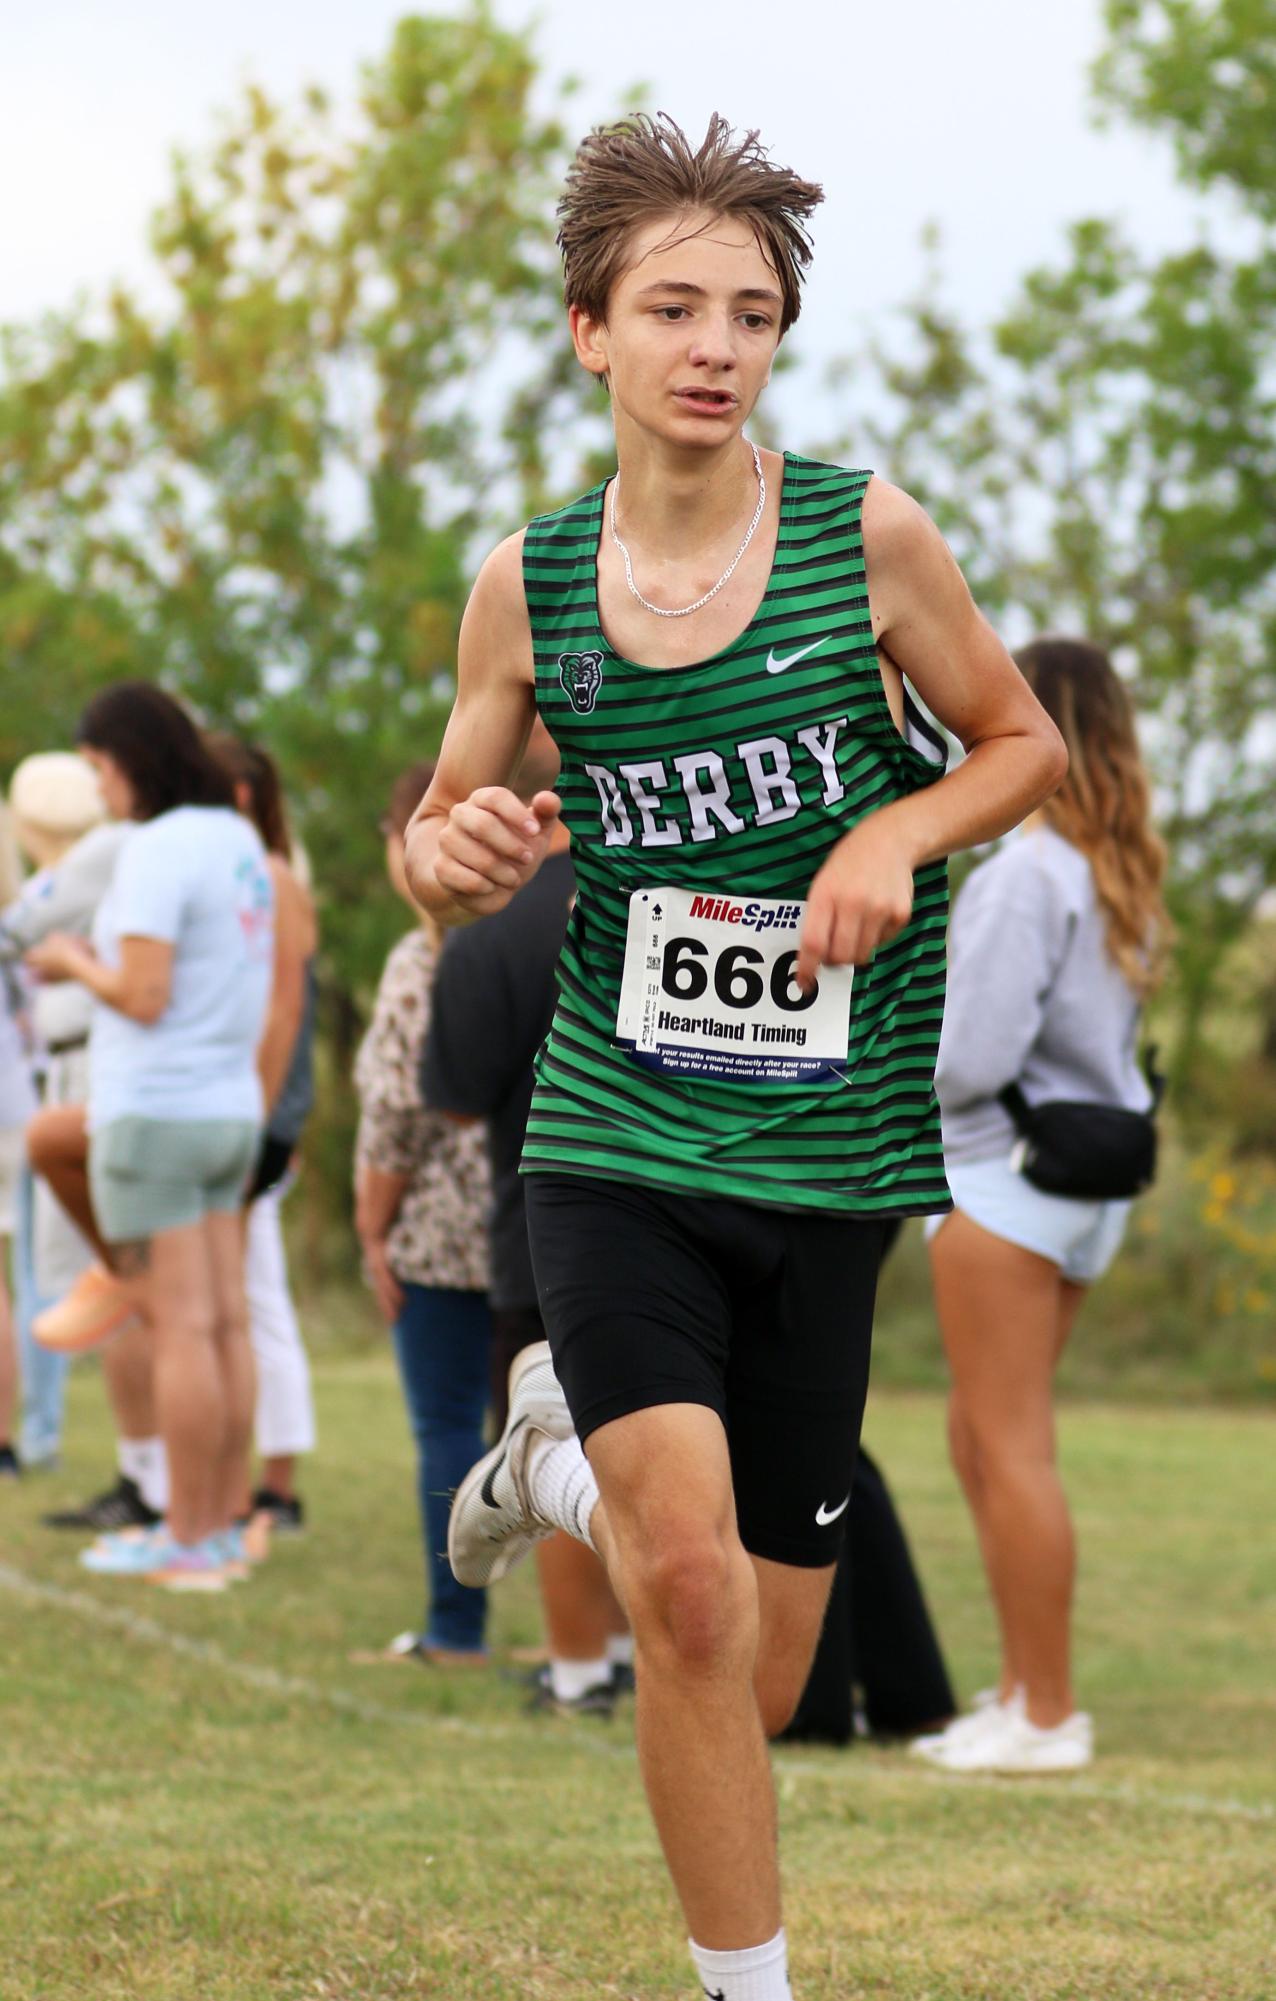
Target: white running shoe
<point x="493" y="1523"/>
<point x="986" y="1707"/>
<point x="1014" y="1745"/>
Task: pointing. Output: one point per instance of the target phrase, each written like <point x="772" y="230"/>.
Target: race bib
<point x="708" y="990"/>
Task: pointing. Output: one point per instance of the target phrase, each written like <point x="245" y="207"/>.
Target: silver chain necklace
<point x="684" y="611"/>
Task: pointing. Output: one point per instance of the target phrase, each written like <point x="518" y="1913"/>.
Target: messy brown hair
<point x="251" y="765"/>
<point x="1103" y="806"/>
<point x="626" y="174"/>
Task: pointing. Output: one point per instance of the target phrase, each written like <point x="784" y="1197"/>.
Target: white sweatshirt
<point x="1033" y="997"/>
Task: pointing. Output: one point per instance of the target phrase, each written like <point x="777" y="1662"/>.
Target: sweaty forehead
<point x="693" y="242"/>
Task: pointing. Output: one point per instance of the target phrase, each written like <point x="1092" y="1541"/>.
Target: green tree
<point x="268" y="489"/>
<point x="1104" y="459"/>
<point x="1203" y="74"/>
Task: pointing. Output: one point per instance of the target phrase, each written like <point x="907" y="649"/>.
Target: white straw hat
<point x="57" y="792"/>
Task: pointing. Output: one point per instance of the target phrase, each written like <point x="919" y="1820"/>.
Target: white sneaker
<point x="1013" y="1744"/>
<point x="985" y="1709"/>
<point x="493" y="1523"/>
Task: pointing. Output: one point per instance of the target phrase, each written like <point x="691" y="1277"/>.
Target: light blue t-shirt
<point x="195" y="877"/>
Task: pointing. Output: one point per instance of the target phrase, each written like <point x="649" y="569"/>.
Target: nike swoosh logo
<point x="825" y="1515"/>
<point x="487" y="1491"/>
<point x="775" y="665"/>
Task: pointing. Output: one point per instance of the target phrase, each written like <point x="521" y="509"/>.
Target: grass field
<point x="204" y="1800"/>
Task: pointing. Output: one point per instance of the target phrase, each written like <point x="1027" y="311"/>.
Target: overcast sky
<point x="973" y="115"/>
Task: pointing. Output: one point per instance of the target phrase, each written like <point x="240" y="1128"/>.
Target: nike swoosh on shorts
<point x="824" y="1515"/>
<point x="774" y="665"/>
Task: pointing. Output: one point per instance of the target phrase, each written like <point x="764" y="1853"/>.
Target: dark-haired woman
<point x="285" y="1420"/>
<point x="180" y="971"/>
<point x="1056" y="943"/>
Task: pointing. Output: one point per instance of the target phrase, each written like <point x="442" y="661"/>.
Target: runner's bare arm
<point x="472" y="842"/>
<point x="929" y="628"/>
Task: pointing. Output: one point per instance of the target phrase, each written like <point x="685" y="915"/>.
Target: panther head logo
<point x="582" y="676"/>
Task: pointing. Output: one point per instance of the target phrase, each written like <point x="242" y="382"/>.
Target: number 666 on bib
<point x="708" y="990"/>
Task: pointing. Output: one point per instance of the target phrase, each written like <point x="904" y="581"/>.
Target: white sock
<point x="759" y="1973"/>
<point x="620" y="1650"/>
<point x="145" y="1462"/>
<point x="570" y="1679"/>
<point x="561" y="1486"/>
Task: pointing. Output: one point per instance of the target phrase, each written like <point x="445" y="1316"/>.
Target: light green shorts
<point x="148" y="1175"/>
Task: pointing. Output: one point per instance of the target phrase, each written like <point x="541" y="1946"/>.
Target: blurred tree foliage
<point x="267" y="488"/>
<point x="269" y="483"/>
<point x="1105" y="459"/>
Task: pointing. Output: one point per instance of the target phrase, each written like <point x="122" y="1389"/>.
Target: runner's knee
<point x="694" y="1601"/>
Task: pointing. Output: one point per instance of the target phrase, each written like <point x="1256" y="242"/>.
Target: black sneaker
<point x="120" y="1507"/>
<point x="598" y="1701"/>
<point x="10" y="1466"/>
<point x="287" y="1515"/>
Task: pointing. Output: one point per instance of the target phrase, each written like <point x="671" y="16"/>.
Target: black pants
<point x="877" y="1637"/>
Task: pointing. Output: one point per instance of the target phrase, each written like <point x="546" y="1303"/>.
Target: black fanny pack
<point x="1094" y="1153"/>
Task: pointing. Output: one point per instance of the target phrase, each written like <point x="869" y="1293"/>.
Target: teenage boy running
<point x="717" y="639"/>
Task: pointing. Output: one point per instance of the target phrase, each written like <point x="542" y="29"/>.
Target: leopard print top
<point x="439" y="1236"/>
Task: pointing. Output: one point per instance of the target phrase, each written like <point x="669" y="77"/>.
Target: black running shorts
<point x="761" y="1315"/>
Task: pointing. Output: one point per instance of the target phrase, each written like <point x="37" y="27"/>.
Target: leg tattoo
<point x="131" y="1260"/>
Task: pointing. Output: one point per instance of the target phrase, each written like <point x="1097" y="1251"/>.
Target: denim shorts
<point x="148" y="1175"/>
<point x="1082" y="1238"/>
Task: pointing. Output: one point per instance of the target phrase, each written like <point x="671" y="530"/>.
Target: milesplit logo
<point x="722" y="910"/>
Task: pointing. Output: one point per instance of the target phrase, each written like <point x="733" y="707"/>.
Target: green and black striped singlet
<point x="735" y="777"/>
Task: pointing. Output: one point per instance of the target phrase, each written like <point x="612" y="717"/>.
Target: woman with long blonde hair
<point x="1056" y="943"/>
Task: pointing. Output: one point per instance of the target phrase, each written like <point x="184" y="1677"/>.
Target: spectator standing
<point x="180" y="971"/>
<point x="285" y="1419"/>
<point x="17" y="1102"/>
<point x="421" y="1201"/>
<point x="58" y="820"/>
<point x="878" y="1667"/>
<point x="493" y="1003"/>
<point x="1056" y="943"/>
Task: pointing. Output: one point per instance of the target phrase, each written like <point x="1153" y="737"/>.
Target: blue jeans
<point x="442" y="1338"/>
<point x="43" y="1373"/>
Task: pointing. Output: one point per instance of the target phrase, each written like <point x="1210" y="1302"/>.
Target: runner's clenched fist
<point x="860" y="899"/>
<point x="490" y="845"/>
